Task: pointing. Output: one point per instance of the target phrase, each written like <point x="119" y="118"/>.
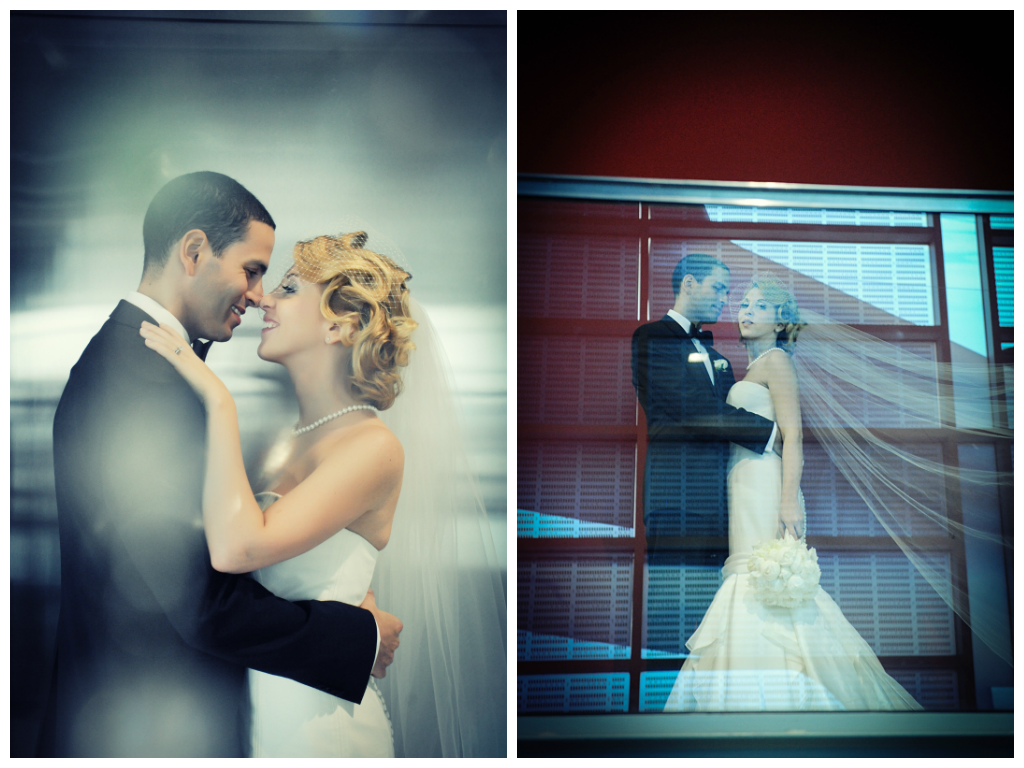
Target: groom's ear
<point x="189" y="249"/>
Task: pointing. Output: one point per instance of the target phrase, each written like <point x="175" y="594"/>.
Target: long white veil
<point x="440" y="575"/>
<point x="853" y="387"/>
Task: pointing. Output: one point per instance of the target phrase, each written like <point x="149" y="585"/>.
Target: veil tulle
<point x="851" y="384"/>
<point x="440" y="575"/>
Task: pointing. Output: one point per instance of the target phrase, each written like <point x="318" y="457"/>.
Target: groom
<point x="682" y="382"/>
<point x="152" y="643"/>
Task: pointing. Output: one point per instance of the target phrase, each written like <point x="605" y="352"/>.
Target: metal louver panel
<point x="575" y="380"/>
<point x="835" y="509"/>
<point x="932" y="688"/>
<point x="574" y="608"/>
<point x="571" y="276"/>
<point x="573" y="693"/>
<point x="1003" y="260"/>
<point x="680" y="501"/>
<point x="678" y="588"/>
<point x="858" y="283"/>
<point x="889" y="603"/>
<point x="582" y="481"/>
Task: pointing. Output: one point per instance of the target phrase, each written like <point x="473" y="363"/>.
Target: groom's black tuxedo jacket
<point x="152" y="643"/>
<point x="689" y="429"/>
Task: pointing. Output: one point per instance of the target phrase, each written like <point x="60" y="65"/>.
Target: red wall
<point x="873" y="99"/>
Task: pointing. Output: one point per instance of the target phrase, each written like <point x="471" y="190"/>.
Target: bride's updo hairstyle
<point x="786" y="310"/>
<point x="370" y="286"/>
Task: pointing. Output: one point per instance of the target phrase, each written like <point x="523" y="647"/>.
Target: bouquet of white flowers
<point x="784" y="572"/>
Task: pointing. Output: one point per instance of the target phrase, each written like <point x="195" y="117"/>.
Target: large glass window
<point x="605" y="611"/>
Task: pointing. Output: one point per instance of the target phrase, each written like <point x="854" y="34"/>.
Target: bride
<point x="357" y="501"/>
<point x="746" y="654"/>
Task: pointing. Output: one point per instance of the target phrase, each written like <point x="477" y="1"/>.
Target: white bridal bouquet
<point x="784" y="572"/>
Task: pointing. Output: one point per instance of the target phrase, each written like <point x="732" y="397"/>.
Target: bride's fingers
<point x="165" y="342"/>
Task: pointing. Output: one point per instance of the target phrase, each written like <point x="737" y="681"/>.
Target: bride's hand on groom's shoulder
<point x="389" y="626"/>
<point x="169" y="344"/>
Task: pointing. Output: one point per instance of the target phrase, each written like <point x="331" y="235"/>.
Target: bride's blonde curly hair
<point x="786" y="310"/>
<point x="369" y="287"/>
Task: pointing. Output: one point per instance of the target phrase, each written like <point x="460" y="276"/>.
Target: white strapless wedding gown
<point x="749" y="656"/>
<point x="293" y="720"/>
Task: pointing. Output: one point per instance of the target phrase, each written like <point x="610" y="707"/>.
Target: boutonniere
<point x="721" y="365"/>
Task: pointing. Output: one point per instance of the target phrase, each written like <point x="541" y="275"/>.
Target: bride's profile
<point x="772" y="638"/>
<point x="356" y="501"/>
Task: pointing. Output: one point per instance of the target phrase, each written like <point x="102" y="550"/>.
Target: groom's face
<point x="227" y="285"/>
<point x="709" y="297"/>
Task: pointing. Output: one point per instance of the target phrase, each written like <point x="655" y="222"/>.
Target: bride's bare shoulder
<point x="370" y="445"/>
<point x="779" y="372"/>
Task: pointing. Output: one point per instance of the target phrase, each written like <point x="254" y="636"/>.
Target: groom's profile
<point x="682" y="382"/>
<point x="152" y="643"/>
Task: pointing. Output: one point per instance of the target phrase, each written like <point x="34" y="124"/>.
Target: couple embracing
<point x="200" y="618"/>
<point x="716" y="444"/>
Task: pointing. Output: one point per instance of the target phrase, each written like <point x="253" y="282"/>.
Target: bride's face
<point x="292" y="320"/>
<point x="757" y="317"/>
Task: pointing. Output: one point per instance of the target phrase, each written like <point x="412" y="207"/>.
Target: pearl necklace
<point x="770" y="349"/>
<point x="299" y="431"/>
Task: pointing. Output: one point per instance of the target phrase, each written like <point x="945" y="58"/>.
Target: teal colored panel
<point x="820" y="216"/>
<point x="1001" y="222"/>
<point x="536" y="525"/>
<point x="964" y="306"/>
<point x="1003" y="261"/>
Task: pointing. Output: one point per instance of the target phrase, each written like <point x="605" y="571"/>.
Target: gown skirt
<point x="747" y="656"/>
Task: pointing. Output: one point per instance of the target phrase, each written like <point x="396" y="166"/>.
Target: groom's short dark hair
<point x="697" y="264"/>
<point x="217" y="204"/>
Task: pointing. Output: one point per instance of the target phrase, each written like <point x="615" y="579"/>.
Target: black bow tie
<point x="201" y="348"/>
<point x="704" y="337"/>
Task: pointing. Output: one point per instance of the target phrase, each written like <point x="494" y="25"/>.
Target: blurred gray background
<point x="334" y="120"/>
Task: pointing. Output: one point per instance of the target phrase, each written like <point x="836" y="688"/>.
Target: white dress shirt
<point x="686" y="324"/>
<point x="158" y="312"/>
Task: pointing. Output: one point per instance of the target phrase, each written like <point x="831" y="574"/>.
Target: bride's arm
<point x="352" y="481"/>
<point x="360" y="476"/>
<point x="781" y="377"/>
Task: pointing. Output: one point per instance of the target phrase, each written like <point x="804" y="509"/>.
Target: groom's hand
<point x="389" y="626"/>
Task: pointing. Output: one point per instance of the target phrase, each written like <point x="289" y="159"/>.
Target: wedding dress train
<point x="293" y="720"/>
<point x="749" y="656"/>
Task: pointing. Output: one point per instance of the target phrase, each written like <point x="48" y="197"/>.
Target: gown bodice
<point x="754" y="484"/>
<point x="752" y="397"/>
<point x="339" y="568"/>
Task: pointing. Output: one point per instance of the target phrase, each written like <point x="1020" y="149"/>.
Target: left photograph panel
<point x="258" y="385"/>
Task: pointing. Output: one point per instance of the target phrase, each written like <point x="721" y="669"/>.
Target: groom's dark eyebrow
<point x="257" y="266"/>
